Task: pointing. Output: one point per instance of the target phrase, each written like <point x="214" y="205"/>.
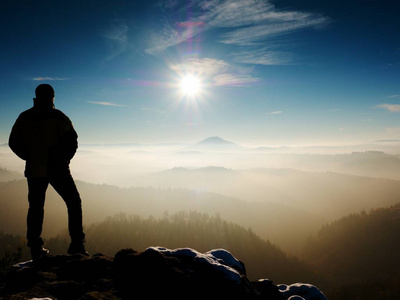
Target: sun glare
<point x="190" y="85"/>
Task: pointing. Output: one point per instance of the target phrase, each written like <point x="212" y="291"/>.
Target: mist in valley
<point x="284" y="194"/>
<point x="323" y="215"/>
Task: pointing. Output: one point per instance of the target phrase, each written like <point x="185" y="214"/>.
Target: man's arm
<point x="67" y="144"/>
<point x="16" y="141"/>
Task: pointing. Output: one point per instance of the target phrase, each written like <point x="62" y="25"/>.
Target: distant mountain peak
<point x="215" y="143"/>
<point x="214" y="140"/>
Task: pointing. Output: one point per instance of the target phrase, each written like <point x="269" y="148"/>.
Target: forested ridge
<point x="101" y="201"/>
<point x="184" y="229"/>
<point x="360" y="253"/>
<point x="286" y="224"/>
<point x="353" y="256"/>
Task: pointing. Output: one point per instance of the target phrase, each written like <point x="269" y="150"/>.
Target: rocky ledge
<point x="156" y="272"/>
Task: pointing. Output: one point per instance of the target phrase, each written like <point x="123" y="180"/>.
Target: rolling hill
<point x="272" y="221"/>
<point x="360" y="252"/>
<point x="284" y="206"/>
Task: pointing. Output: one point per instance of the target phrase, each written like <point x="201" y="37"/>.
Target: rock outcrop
<point x="156" y="272"/>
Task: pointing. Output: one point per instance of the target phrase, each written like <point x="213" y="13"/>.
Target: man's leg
<point x="65" y="186"/>
<point x="36" y="196"/>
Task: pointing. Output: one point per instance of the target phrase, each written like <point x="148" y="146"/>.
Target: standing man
<point x="45" y="138"/>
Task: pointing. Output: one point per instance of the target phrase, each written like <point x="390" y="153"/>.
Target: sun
<point x="190" y="85"/>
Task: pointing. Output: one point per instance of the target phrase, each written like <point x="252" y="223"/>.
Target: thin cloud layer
<point x="244" y="26"/>
<point x="244" y="22"/>
<point x="216" y="72"/>
<point x="253" y="35"/>
<point x="202" y="66"/>
<point x="234" y="79"/>
<point x="48" y="78"/>
<point x="117" y="37"/>
<point x="262" y="56"/>
<point x="390" y="107"/>
<point x="104" y="103"/>
<point x="278" y="112"/>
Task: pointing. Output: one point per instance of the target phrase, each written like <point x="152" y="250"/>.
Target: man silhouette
<point x="45" y="138"/>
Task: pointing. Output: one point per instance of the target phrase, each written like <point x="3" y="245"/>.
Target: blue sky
<point x="271" y="72"/>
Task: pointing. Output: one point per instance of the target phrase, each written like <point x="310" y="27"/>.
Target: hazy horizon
<point x="312" y="185"/>
<point x="122" y="162"/>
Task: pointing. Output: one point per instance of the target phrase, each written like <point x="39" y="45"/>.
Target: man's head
<point x="44" y="96"/>
<point x="44" y="92"/>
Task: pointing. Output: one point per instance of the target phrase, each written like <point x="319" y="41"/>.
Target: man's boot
<point x="77" y="247"/>
<point x="38" y="251"/>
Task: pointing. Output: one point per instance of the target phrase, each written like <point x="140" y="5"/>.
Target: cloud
<point x="262" y="56"/>
<point x="390" y="107"/>
<point x="48" y="78"/>
<point x="117" y="36"/>
<point x="201" y="66"/>
<point x="234" y="79"/>
<point x="105" y="103"/>
<point x="252" y="21"/>
<point x="169" y="36"/>
<point x="243" y="22"/>
<point x="216" y="72"/>
<point x="278" y="112"/>
<point x="237" y="13"/>
<point x="253" y="35"/>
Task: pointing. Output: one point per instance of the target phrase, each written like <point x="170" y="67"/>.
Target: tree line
<point x="360" y="253"/>
<point x="353" y="257"/>
<point x="192" y="229"/>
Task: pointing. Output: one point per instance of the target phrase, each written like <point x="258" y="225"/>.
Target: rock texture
<point x="154" y="273"/>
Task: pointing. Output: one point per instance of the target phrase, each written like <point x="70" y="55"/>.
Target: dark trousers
<point x="65" y="186"/>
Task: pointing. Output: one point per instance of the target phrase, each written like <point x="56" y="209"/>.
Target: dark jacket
<point x="45" y="138"/>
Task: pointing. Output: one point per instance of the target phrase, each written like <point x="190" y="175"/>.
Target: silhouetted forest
<point x="356" y="256"/>
<point x="273" y="221"/>
<point x="184" y="229"/>
<point x="285" y="217"/>
<point x="202" y="232"/>
<point x="360" y="253"/>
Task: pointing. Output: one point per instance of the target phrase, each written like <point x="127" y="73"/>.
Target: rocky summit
<point x="156" y="272"/>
